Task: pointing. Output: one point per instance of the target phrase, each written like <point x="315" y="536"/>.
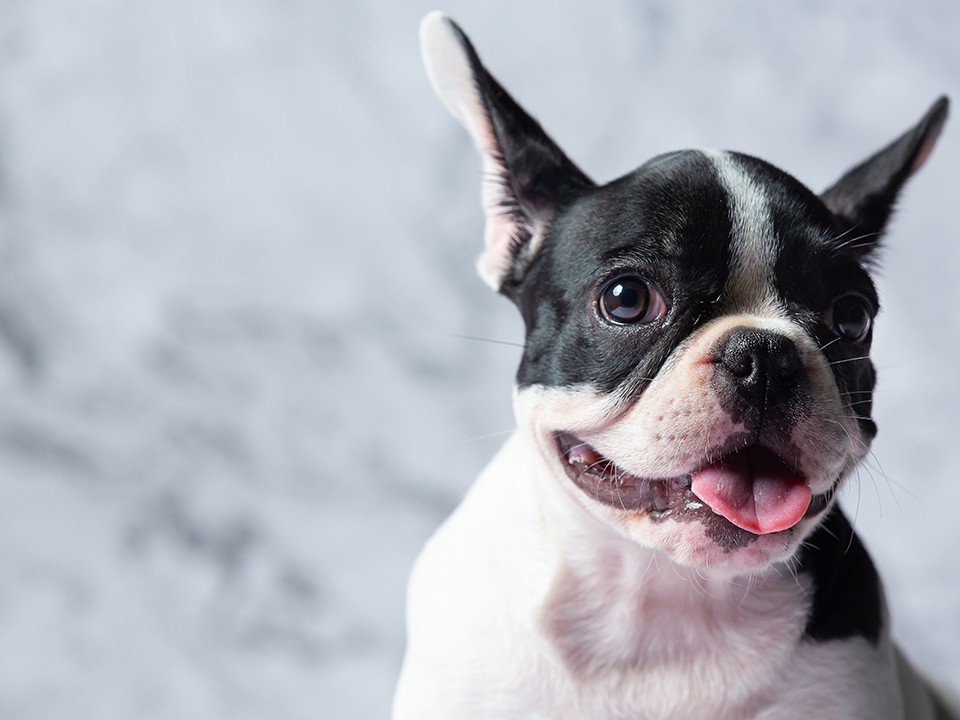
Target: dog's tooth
<point x="583" y="455"/>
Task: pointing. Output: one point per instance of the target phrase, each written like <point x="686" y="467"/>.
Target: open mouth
<point x="752" y="488"/>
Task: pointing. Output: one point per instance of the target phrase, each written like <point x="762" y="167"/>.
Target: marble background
<point x="236" y="265"/>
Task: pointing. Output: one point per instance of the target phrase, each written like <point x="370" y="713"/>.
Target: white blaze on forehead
<point x="753" y="244"/>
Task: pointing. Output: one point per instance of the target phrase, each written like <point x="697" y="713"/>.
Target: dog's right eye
<point x="851" y="318"/>
<point x="631" y="299"/>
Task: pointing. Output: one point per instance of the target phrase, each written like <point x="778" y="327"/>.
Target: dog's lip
<point x="603" y="480"/>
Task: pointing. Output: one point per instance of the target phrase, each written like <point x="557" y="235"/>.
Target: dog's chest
<point x="642" y="641"/>
<point x="635" y="635"/>
<point x="550" y="615"/>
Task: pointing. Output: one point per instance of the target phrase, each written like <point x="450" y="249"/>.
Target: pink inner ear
<point x="501" y="229"/>
<point x="451" y="75"/>
<point x="936" y="117"/>
<point x="925" y="151"/>
<point x="448" y="68"/>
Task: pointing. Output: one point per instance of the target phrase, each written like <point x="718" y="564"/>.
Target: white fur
<point x="534" y="601"/>
<point x="754" y="251"/>
<point x="448" y="68"/>
<point x="524" y="605"/>
<point x="677" y="425"/>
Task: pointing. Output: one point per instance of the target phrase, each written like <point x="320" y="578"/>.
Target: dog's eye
<point x="851" y="317"/>
<point x="631" y="299"/>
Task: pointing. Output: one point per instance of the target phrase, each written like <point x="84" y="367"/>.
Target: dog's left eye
<point x="631" y="299"/>
<point x="851" y="317"/>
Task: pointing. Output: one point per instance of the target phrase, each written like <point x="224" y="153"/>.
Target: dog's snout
<point x="753" y="356"/>
<point x="763" y="369"/>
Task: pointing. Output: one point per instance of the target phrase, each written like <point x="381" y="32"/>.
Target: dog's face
<point x="696" y="366"/>
<point x="696" y="369"/>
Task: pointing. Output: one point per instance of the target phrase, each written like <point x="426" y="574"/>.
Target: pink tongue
<point x="754" y="490"/>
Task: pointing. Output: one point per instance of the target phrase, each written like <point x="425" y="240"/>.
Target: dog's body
<point x="660" y="538"/>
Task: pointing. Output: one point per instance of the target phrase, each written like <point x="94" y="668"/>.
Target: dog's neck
<point x="613" y="607"/>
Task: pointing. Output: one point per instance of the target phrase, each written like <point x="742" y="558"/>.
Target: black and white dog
<point x="660" y="537"/>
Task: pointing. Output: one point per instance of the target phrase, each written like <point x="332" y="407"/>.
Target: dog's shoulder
<point x="469" y="601"/>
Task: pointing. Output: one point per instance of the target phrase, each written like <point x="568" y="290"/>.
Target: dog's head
<point x="696" y="369"/>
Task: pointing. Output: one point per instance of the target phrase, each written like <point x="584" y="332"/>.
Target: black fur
<point x="863" y="199"/>
<point x="661" y="221"/>
<point x="846" y="598"/>
<point x="535" y="175"/>
<point x="671" y="221"/>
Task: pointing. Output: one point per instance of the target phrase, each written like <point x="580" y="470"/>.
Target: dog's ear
<point x="863" y="199"/>
<point x="526" y="176"/>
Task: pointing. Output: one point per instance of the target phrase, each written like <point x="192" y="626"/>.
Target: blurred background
<point x="236" y="268"/>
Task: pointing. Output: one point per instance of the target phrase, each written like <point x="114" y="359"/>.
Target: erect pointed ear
<point x="526" y="176"/>
<point x="863" y="199"/>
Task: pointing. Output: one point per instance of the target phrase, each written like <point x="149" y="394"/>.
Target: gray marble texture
<point x="236" y="269"/>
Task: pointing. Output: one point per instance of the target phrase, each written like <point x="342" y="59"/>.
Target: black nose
<point x="763" y="367"/>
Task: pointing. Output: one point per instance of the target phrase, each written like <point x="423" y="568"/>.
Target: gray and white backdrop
<point x="236" y="260"/>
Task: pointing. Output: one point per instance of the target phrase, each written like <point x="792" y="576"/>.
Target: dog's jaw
<point x="768" y="476"/>
<point x="650" y="446"/>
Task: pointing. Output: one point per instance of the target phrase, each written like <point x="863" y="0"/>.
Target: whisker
<point x="876" y="488"/>
<point x="656" y="564"/>
<point x="894" y="484"/>
<point x="857" y="246"/>
<point x="829" y="532"/>
<point x="846" y="360"/>
<point x="845" y="232"/>
<point x="849" y="244"/>
<point x="836" y="339"/>
<point x="746" y="593"/>
<point x="813" y="546"/>
<point x="859" y="484"/>
<point x="856" y="514"/>
<point x="487" y="436"/>
<point x="793" y="567"/>
<point x="643" y="575"/>
<point x="486" y="340"/>
<point x="691" y="583"/>
<point x="842" y="427"/>
<point x="851" y="393"/>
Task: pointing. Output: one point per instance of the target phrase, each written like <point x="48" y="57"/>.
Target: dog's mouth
<point x="752" y="487"/>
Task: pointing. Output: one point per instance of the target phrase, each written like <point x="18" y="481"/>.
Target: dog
<point x="660" y="536"/>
